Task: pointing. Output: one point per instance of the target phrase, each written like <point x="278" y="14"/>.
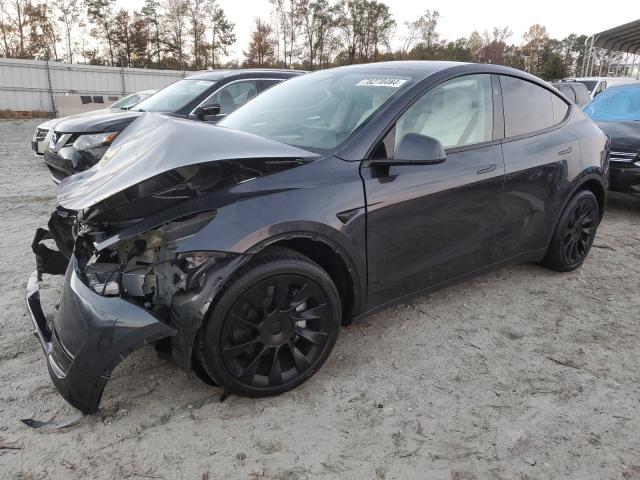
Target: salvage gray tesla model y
<point x="240" y="249"/>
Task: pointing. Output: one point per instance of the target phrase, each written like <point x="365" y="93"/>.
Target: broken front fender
<point x="90" y="334"/>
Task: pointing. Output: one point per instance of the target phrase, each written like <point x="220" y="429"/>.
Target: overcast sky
<point x="460" y="18"/>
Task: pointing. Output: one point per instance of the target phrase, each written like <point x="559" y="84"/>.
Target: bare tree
<point x="175" y="23"/>
<point x="68" y="16"/>
<point x="222" y="34"/>
<point x="6" y="30"/>
<point x="427" y="26"/>
<point x="151" y="14"/>
<point x="196" y="10"/>
<point x="287" y="14"/>
<point x="100" y="13"/>
<point x="43" y="34"/>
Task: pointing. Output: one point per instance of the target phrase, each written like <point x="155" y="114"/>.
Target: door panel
<point x="537" y="170"/>
<point x="536" y="166"/>
<point x="430" y="223"/>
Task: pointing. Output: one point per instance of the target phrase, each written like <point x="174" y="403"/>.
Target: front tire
<point x="574" y="233"/>
<point x="274" y="325"/>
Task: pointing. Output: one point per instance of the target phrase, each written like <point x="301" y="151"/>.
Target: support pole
<point x="50" y="87"/>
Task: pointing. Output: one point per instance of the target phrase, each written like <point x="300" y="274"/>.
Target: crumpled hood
<point x="155" y="144"/>
<point x="102" y="120"/>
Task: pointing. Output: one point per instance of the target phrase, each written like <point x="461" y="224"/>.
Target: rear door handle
<point x="566" y="151"/>
<point x="487" y="169"/>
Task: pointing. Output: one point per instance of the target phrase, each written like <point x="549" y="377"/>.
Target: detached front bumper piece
<point x="90" y="334"/>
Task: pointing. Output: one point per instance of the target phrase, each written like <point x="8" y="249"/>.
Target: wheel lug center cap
<point x="275" y="327"/>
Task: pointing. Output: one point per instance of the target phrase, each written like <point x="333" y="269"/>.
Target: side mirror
<point x="415" y="149"/>
<point x="207" y="111"/>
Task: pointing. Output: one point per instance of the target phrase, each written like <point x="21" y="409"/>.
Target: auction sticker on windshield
<point x="381" y="82"/>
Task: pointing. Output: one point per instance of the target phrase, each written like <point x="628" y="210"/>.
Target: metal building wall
<point x="30" y="85"/>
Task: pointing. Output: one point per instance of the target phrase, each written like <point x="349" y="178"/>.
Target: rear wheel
<point x="273" y="327"/>
<point x="574" y="234"/>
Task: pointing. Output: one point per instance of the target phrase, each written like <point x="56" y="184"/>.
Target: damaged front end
<point x="122" y="238"/>
<point x="117" y="299"/>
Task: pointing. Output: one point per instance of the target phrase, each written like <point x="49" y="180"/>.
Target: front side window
<point x="318" y="110"/>
<point x="233" y="95"/>
<point x="175" y="97"/>
<point x="457" y="112"/>
<point x="616" y="104"/>
<point x="528" y="107"/>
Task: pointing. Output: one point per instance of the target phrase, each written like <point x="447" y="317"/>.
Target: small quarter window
<point x="560" y="108"/>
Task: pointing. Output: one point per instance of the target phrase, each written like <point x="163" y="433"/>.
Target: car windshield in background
<point x="175" y="96"/>
<point x="616" y="104"/>
<point x="127" y="102"/>
<point x="590" y="84"/>
<point x="318" y="110"/>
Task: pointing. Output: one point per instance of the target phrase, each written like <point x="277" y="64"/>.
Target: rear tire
<point x="273" y="326"/>
<point x="574" y="233"/>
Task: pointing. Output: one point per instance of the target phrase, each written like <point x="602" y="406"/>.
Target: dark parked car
<point x="125" y="103"/>
<point x="617" y="112"/>
<point x="576" y="92"/>
<point x="240" y="249"/>
<point x="78" y="142"/>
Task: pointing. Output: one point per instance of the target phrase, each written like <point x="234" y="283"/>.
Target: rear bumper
<point x="89" y="335"/>
<point x="624" y="179"/>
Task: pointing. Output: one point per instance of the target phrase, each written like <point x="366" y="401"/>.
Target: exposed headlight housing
<point x="197" y="263"/>
<point x="95" y="140"/>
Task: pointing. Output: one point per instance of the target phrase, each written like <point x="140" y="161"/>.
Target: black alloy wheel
<point x="273" y="327"/>
<point x="575" y="233"/>
<point x="580" y="231"/>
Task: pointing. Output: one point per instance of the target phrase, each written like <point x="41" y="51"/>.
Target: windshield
<point x="590" y="84"/>
<point x="317" y="110"/>
<point x="128" y="101"/>
<point x="616" y="104"/>
<point x="174" y="97"/>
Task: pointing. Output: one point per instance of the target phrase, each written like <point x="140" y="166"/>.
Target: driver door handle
<point x="566" y="151"/>
<point x="487" y="169"/>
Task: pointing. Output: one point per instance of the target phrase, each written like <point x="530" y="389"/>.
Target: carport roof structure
<point x="624" y="38"/>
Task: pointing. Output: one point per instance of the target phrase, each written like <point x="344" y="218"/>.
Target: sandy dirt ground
<point x="521" y="373"/>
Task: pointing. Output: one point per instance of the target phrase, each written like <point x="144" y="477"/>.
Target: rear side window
<point x="568" y="92"/>
<point x="528" y="107"/>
